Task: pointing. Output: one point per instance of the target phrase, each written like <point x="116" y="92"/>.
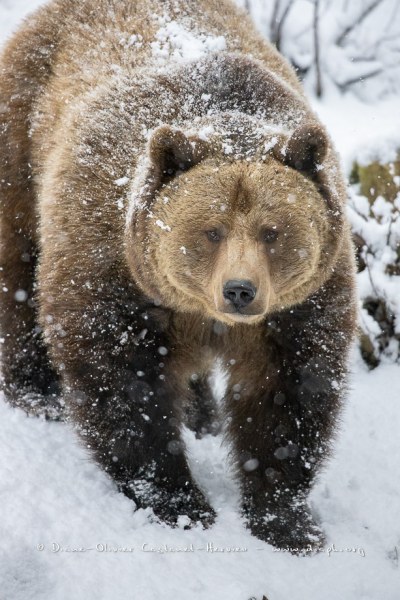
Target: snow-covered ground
<point x="63" y="521"/>
<point x="65" y="531"/>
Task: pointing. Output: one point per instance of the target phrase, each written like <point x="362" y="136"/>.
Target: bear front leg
<point x="282" y="403"/>
<point x="28" y="379"/>
<point x="202" y="415"/>
<point x="115" y="358"/>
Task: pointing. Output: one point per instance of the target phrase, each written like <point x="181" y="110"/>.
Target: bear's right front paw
<point x="50" y="407"/>
<point x="184" y="506"/>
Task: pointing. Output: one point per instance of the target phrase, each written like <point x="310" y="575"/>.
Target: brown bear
<point x="169" y="198"/>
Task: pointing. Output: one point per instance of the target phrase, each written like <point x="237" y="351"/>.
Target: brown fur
<point x="131" y="192"/>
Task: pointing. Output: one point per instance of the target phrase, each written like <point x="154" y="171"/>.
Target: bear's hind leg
<point x="28" y="379"/>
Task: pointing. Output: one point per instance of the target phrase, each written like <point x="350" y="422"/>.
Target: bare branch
<point x="281" y="22"/>
<point x="392" y="18"/>
<point x="370" y="277"/>
<point x="374" y="48"/>
<point x="356" y="23"/>
<point x="274" y="21"/>
<point x="386" y="39"/>
<point x="318" y="82"/>
<point x="277" y="21"/>
<point x="363" y="59"/>
<point x="349" y="82"/>
<point x="389" y="233"/>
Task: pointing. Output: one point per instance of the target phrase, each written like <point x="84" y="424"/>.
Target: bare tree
<point x="278" y="20"/>
<point x="274" y="21"/>
<point x="364" y="14"/>
<point x="346" y="42"/>
<point x="318" y="79"/>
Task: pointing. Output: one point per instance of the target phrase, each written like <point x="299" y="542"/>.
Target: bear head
<point x="233" y="238"/>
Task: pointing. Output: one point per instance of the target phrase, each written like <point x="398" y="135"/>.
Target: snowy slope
<point x="61" y="517"/>
<point x="54" y="502"/>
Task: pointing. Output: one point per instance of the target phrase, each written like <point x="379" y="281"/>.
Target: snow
<point x="174" y="40"/>
<point x="65" y="531"/>
<point x="122" y="181"/>
<point x="162" y="225"/>
<point x="361" y="131"/>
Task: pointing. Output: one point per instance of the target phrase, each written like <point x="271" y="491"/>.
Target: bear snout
<point x="239" y="293"/>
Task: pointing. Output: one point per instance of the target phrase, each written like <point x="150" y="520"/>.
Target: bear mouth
<point x="242" y="313"/>
<point x="238" y="316"/>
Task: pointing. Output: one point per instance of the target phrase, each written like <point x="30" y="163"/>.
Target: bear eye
<point x="214" y="235"/>
<point x="269" y="235"/>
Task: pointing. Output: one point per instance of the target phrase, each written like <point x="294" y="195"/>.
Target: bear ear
<point x="171" y="152"/>
<point x="306" y="148"/>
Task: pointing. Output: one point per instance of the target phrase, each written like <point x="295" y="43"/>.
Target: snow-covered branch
<point x="329" y="42"/>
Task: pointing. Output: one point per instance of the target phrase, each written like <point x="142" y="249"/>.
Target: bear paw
<point x="182" y="506"/>
<point x="50" y="407"/>
<point x="291" y="529"/>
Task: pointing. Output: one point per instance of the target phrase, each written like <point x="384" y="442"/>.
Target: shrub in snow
<point x="374" y="213"/>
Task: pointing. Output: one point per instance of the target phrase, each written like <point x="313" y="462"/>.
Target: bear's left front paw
<point x="50" y="407"/>
<point x="289" y="528"/>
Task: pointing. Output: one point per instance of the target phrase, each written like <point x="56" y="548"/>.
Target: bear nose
<point x="239" y="292"/>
